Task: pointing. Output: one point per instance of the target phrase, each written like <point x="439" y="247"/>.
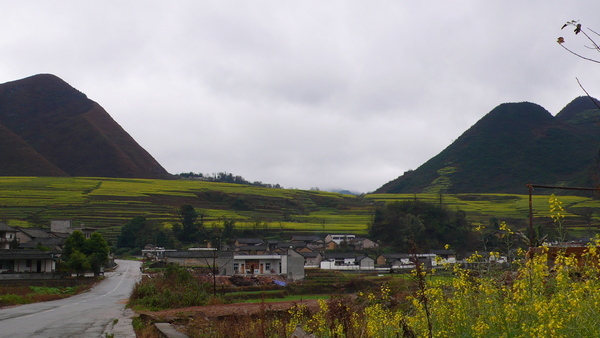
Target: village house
<point x="8" y="235"/>
<point x="290" y="264"/>
<point x="333" y="241"/>
<point x="360" y="243"/>
<point x="305" y="239"/>
<point x="347" y="261"/>
<point x="248" y="241"/>
<point x="252" y="249"/>
<point x="228" y="263"/>
<point x="312" y="242"/>
<point x="297" y="246"/>
<point x="312" y="259"/>
<point x="400" y="261"/>
<point x="18" y="260"/>
<point x="221" y="260"/>
<point x="65" y="227"/>
<point x="394" y="260"/>
<point x="32" y="238"/>
<point x="338" y="239"/>
<point x="13" y="260"/>
<point x="154" y="252"/>
<point x="29" y="234"/>
<point x="444" y="256"/>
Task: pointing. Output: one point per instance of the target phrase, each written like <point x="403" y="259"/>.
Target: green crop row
<point x="108" y="203"/>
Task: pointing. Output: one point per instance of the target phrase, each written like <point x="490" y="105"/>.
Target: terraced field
<point x="108" y="203"/>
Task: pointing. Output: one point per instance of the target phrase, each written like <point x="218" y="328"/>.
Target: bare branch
<point x="592" y="40"/>
<point x="593" y="31"/>
<point x="588" y="95"/>
<point x="578" y="55"/>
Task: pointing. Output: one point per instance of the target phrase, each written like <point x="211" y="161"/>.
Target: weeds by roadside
<point x="560" y="298"/>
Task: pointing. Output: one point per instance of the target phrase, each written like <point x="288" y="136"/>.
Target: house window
<point x="236" y="267"/>
<point x="28" y="263"/>
<point x="268" y="266"/>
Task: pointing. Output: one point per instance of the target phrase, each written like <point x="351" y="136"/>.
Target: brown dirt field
<point x="213" y="312"/>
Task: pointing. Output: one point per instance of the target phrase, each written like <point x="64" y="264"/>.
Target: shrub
<point x="176" y="287"/>
<point x="10" y="299"/>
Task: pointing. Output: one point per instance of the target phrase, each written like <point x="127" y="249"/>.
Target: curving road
<point x="91" y="314"/>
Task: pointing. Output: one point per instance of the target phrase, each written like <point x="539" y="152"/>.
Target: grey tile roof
<point x="198" y="254"/>
<point x="47" y="242"/>
<point x="24" y="254"/>
<point x="312" y="254"/>
<point x="340" y="255"/>
<point x="35" y="232"/>
<point x="250" y="241"/>
<point x="6" y="227"/>
<point x="305" y="238"/>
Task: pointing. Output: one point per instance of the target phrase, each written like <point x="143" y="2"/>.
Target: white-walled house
<point x="444" y="256"/>
<point x="347" y="261"/>
<point x="337" y="238"/>
<point x="290" y="263"/>
<point x="17" y="260"/>
<point x="406" y="261"/>
<point x="7" y="235"/>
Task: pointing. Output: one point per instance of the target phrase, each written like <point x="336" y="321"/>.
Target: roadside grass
<point x="18" y="295"/>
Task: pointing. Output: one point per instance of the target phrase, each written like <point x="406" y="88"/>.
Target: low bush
<point x="175" y="287"/>
<point x="11" y="299"/>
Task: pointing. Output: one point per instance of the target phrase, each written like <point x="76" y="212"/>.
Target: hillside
<point x="48" y="128"/>
<point x="513" y="145"/>
<point x="109" y="203"/>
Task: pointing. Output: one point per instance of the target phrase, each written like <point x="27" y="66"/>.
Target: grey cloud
<point x="337" y="94"/>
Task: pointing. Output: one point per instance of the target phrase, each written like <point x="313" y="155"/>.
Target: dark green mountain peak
<point x="582" y="110"/>
<point x="511" y="146"/>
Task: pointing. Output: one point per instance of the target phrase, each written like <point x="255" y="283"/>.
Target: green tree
<point x="96" y="250"/>
<point x="189" y="229"/>
<point x="229" y="231"/>
<point x="130" y="232"/>
<point x="138" y="232"/>
<point x="75" y="242"/>
<point x="78" y="261"/>
<point x="417" y="225"/>
<point x="35" y="219"/>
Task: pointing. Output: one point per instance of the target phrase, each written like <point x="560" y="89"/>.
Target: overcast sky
<point x="328" y="94"/>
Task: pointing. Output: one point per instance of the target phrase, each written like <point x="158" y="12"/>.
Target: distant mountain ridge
<point x="48" y="128"/>
<point x="513" y="145"/>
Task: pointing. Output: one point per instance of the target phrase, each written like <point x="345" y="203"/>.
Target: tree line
<point x="417" y="226"/>
<point x="225" y="177"/>
<point x="191" y="229"/>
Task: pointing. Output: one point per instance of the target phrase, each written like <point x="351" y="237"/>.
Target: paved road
<point x="90" y="314"/>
